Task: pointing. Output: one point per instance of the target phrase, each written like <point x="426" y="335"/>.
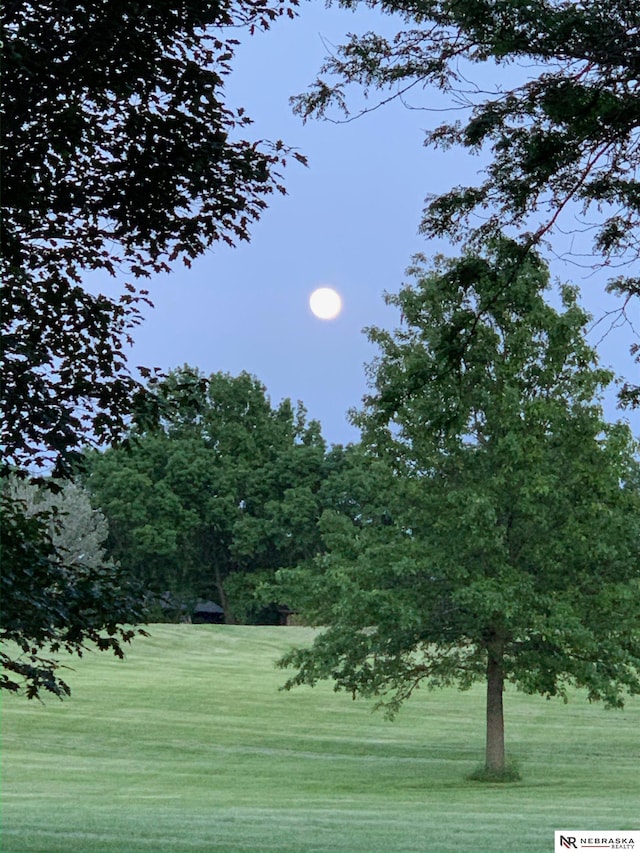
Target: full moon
<point x="326" y="303"/>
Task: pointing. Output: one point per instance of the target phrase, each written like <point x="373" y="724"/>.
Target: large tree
<point x="548" y="90"/>
<point x="120" y="157"/>
<point x="510" y="545"/>
<point x="224" y="489"/>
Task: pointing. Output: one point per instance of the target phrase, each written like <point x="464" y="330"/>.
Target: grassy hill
<point x="187" y="745"/>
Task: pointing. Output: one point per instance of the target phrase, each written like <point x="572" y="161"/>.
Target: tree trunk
<point x="494" y="760"/>
<point x="224" y="601"/>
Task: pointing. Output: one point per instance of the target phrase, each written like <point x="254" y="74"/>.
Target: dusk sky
<point x="350" y="221"/>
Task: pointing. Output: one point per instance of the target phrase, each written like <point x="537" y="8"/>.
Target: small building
<point x="286" y="616"/>
<point x="207" y="613"/>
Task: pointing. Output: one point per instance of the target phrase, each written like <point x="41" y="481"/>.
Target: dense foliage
<point x="77" y="530"/>
<point x="59" y="592"/>
<point x="550" y="91"/>
<point x="511" y="545"/>
<point x="120" y="156"/>
<point x="226" y="490"/>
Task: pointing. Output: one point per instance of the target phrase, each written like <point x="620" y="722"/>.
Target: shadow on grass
<point x="510" y="773"/>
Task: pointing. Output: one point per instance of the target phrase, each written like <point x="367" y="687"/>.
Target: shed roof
<point x="207" y="607"/>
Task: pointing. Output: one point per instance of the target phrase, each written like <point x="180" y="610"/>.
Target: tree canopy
<point x="559" y="117"/>
<point x="121" y="155"/>
<point x="226" y="490"/>
<point x="510" y="543"/>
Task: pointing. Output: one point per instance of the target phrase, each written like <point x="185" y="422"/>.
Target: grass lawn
<point x="187" y="745"/>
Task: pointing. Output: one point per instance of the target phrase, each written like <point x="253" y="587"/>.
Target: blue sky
<point x="350" y="221"/>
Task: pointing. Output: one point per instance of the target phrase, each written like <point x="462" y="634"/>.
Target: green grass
<point x="187" y="745"/>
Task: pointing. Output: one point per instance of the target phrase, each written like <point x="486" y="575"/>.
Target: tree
<point x="217" y="497"/>
<point x="121" y="156"/>
<point x="58" y="590"/>
<point x="511" y="545"/>
<point x="77" y="530"/>
<point x="560" y="128"/>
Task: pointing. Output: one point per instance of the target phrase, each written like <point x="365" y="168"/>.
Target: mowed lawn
<point x="187" y="745"/>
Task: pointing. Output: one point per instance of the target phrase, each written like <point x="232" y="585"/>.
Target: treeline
<point x="216" y="490"/>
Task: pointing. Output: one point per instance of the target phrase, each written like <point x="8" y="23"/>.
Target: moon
<point x="325" y="303"/>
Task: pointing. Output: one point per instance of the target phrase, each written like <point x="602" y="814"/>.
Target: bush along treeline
<point x="214" y="492"/>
